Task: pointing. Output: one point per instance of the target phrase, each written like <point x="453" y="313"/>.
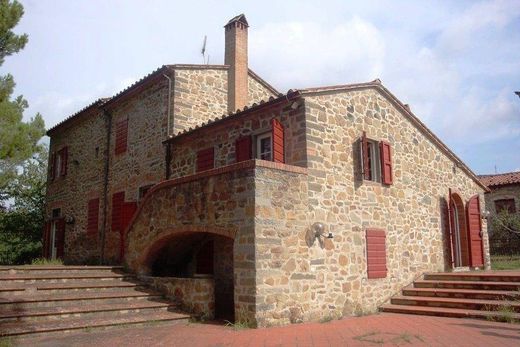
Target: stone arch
<point x="147" y="256"/>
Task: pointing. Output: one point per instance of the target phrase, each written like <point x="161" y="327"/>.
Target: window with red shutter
<point x="376" y="253"/>
<point x="121" y="136"/>
<point x="243" y="148"/>
<point x="93" y="216"/>
<point x="52" y="166"/>
<point x="60" y="237"/>
<point x="278" y="141"/>
<point x="64" y="158"/>
<point x="117" y="210"/>
<point x="205" y="159"/>
<point x="386" y="162"/>
<point x="375" y="160"/>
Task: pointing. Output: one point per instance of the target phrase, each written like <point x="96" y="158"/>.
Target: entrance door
<point x="56" y="239"/>
<point x="475" y="232"/>
<point x="457" y="249"/>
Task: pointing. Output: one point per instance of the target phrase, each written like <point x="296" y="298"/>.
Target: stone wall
<point x="217" y="202"/>
<point x="194" y="295"/>
<point x="199" y="95"/>
<point x="86" y="141"/>
<point x="223" y="137"/>
<point x="258" y="91"/>
<point x="143" y="162"/>
<point x="410" y="210"/>
<point x="511" y="191"/>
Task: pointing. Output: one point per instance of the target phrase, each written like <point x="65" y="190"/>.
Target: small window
<point x="507" y="205"/>
<point x="264" y="146"/>
<point x="56" y="213"/>
<point x="57" y="164"/>
<point x="374" y="164"/>
<point x="375" y="160"/>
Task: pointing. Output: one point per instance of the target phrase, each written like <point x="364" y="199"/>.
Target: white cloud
<point x="300" y="54"/>
<point x="56" y="106"/>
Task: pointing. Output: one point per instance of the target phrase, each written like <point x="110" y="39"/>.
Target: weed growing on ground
<point x="44" y="261"/>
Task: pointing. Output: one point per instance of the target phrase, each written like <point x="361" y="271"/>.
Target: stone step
<point x="469" y="304"/>
<point x="449" y="312"/>
<point x="69" y="287"/>
<point x="46" y="269"/>
<point x="61" y="277"/>
<point x="479" y="285"/>
<point x="462" y="293"/>
<point x="491" y="276"/>
<point x="55" y="326"/>
<point x="84" y="311"/>
<point x="31" y="301"/>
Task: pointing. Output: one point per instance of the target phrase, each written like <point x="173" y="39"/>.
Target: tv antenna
<point x="205" y="60"/>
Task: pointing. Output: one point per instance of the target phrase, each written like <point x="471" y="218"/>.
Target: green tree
<point x="22" y="222"/>
<point x="23" y="160"/>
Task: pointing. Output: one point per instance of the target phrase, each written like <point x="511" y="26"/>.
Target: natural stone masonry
<point x="86" y="144"/>
<point x="194" y="295"/>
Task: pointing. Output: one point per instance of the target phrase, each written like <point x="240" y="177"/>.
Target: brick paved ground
<point x="375" y="330"/>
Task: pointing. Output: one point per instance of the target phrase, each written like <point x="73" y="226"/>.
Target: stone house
<point x="262" y="206"/>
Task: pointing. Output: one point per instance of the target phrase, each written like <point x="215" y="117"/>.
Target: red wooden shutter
<point x="52" y="166"/>
<point x="93" y="216"/>
<point x="278" y="141"/>
<point x="121" y="136"/>
<point x="117" y="210"/>
<point x="60" y="237"/>
<point x="365" y="163"/>
<point x="46" y="239"/>
<point x="243" y="148"/>
<point x="128" y="211"/>
<point x="64" y="154"/>
<point x="474" y="223"/>
<point x="376" y="253"/>
<point x="205" y="159"/>
<point x="386" y="162"/>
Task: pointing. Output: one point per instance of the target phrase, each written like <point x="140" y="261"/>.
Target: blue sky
<point x="456" y="63"/>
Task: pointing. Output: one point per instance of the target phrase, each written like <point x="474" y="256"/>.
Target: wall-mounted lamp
<point x="485" y="214"/>
<point x="70" y="220"/>
<point x="319" y="229"/>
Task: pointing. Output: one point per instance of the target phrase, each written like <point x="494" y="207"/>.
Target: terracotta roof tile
<point x="500" y="179"/>
<point x="98" y="103"/>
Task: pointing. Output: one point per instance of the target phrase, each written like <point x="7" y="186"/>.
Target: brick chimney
<point x="236" y="57"/>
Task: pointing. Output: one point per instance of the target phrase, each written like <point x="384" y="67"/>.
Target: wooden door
<point x="474" y="222"/>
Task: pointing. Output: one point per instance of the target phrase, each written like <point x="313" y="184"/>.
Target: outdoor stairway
<point x="43" y="299"/>
<point x="478" y="294"/>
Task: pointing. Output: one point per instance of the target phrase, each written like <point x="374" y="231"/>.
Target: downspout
<point x="169" y="102"/>
<point x="167" y="158"/>
<point x="108" y="116"/>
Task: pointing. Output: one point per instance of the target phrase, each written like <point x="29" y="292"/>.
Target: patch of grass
<point x="6" y="342"/>
<point x="44" y="261"/>
<point x="505" y="262"/>
<point x="370" y="337"/>
<point x="326" y="319"/>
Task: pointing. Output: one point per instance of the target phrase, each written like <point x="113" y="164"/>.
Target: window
<point x="205" y="159"/>
<point x="376" y="253"/>
<point x="243" y="148"/>
<point x="58" y="163"/>
<point x="118" y="200"/>
<point x="264" y="146"/>
<point x="93" y="216"/>
<point x="507" y="205"/>
<point x="376" y="160"/>
<point x="121" y="136"/>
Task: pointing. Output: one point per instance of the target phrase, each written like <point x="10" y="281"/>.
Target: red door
<point x="476" y="251"/>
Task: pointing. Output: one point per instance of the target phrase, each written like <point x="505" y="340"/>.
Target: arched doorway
<point x="192" y="259"/>
<point x="459" y="231"/>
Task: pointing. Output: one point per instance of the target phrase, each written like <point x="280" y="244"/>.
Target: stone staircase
<point x="486" y="294"/>
<point x="43" y="299"/>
